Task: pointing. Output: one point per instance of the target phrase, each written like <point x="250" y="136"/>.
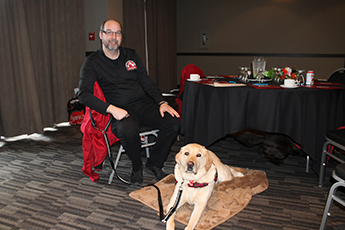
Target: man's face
<point x="111" y="36"/>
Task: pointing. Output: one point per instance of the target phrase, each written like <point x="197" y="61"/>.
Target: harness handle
<point x="174" y="207"/>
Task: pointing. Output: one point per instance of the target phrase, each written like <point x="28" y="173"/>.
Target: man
<point x="132" y="99"/>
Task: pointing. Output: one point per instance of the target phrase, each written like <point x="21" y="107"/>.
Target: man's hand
<point x="117" y="112"/>
<point x="167" y="108"/>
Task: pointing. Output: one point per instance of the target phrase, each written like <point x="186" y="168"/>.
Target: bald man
<point x="132" y="98"/>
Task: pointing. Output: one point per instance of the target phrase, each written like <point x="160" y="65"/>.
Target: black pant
<point x="146" y="114"/>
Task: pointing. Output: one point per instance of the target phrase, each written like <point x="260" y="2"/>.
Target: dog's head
<point x="193" y="158"/>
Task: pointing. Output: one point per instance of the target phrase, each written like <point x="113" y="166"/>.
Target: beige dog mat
<point x="227" y="199"/>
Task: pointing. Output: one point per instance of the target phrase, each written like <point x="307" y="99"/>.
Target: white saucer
<point x="293" y="87"/>
<point x="193" y="80"/>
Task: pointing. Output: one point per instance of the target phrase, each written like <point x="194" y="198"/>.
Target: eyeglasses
<point x="110" y="33"/>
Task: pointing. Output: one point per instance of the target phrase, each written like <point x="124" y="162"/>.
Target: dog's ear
<point x="178" y="157"/>
<point x="208" y="159"/>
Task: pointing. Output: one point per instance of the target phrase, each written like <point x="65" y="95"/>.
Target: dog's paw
<point x="170" y="225"/>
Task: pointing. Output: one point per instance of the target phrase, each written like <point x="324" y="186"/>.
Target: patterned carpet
<point x="42" y="187"/>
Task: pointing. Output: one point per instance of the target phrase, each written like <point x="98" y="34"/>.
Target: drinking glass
<point x="278" y="75"/>
<point x="300" y="77"/>
<point x="259" y="63"/>
<point x="260" y="76"/>
<point x="241" y="74"/>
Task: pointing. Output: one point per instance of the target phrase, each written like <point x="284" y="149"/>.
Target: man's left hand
<point x="167" y="108"/>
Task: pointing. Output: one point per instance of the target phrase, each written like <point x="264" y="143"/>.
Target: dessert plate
<point x="193" y="80"/>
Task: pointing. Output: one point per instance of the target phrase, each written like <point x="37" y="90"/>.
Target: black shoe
<point x="137" y="177"/>
<point x="157" y="172"/>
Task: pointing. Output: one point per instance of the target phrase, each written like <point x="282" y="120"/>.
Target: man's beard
<point x="114" y="48"/>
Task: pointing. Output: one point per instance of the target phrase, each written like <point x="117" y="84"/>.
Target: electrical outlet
<point x="204" y="41"/>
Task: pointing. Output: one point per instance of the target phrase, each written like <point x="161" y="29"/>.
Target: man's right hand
<point x="117" y="112"/>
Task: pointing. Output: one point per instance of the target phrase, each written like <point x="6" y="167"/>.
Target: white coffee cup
<point x="290" y="83"/>
<point x="194" y="77"/>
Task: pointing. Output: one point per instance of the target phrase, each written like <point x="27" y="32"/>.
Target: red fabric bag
<point x="94" y="145"/>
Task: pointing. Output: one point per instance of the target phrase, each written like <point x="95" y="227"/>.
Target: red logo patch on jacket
<point x="130" y="65"/>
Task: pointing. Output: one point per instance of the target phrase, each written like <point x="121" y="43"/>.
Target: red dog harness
<point x="193" y="184"/>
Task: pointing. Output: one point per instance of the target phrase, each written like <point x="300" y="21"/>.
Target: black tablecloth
<point x="305" y="114"/>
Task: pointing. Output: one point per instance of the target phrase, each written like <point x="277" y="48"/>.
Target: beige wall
<point x="115" y="10"/>
<point x="267" y="26"/>
<point x="250" y="26"/>
<point x="97" y="11"/>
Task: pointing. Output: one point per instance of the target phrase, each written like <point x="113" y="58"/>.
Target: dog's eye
<point x="186" y="153"/>
<point x="198" y="155"/>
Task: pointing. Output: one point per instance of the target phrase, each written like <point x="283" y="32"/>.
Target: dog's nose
<point x="190" y="165"/>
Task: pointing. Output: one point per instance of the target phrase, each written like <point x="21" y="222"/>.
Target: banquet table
<point x="211" y="110"/>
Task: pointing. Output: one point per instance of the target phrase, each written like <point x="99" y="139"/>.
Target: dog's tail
<point x="240" y="170"/>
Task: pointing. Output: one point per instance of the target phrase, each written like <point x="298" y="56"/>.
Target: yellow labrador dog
<point x="196" y="172"/>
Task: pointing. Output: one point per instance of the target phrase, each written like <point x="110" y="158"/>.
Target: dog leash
<point x="173" y="208"/>
<point x="160" y="203"/>
<point x="165" y="218"/>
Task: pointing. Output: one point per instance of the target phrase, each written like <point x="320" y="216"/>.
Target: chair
<point x="338" y="76"/>
<point x="334" y="138"/>
<point x="339" y="175"/>
<point x="98" y="138"/>
<point x="186" y="72"/>
<point x="145" y="133"/>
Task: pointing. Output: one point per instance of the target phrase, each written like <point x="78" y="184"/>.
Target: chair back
<point x="186" y="72"/>
<point x="338" y="76"/>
